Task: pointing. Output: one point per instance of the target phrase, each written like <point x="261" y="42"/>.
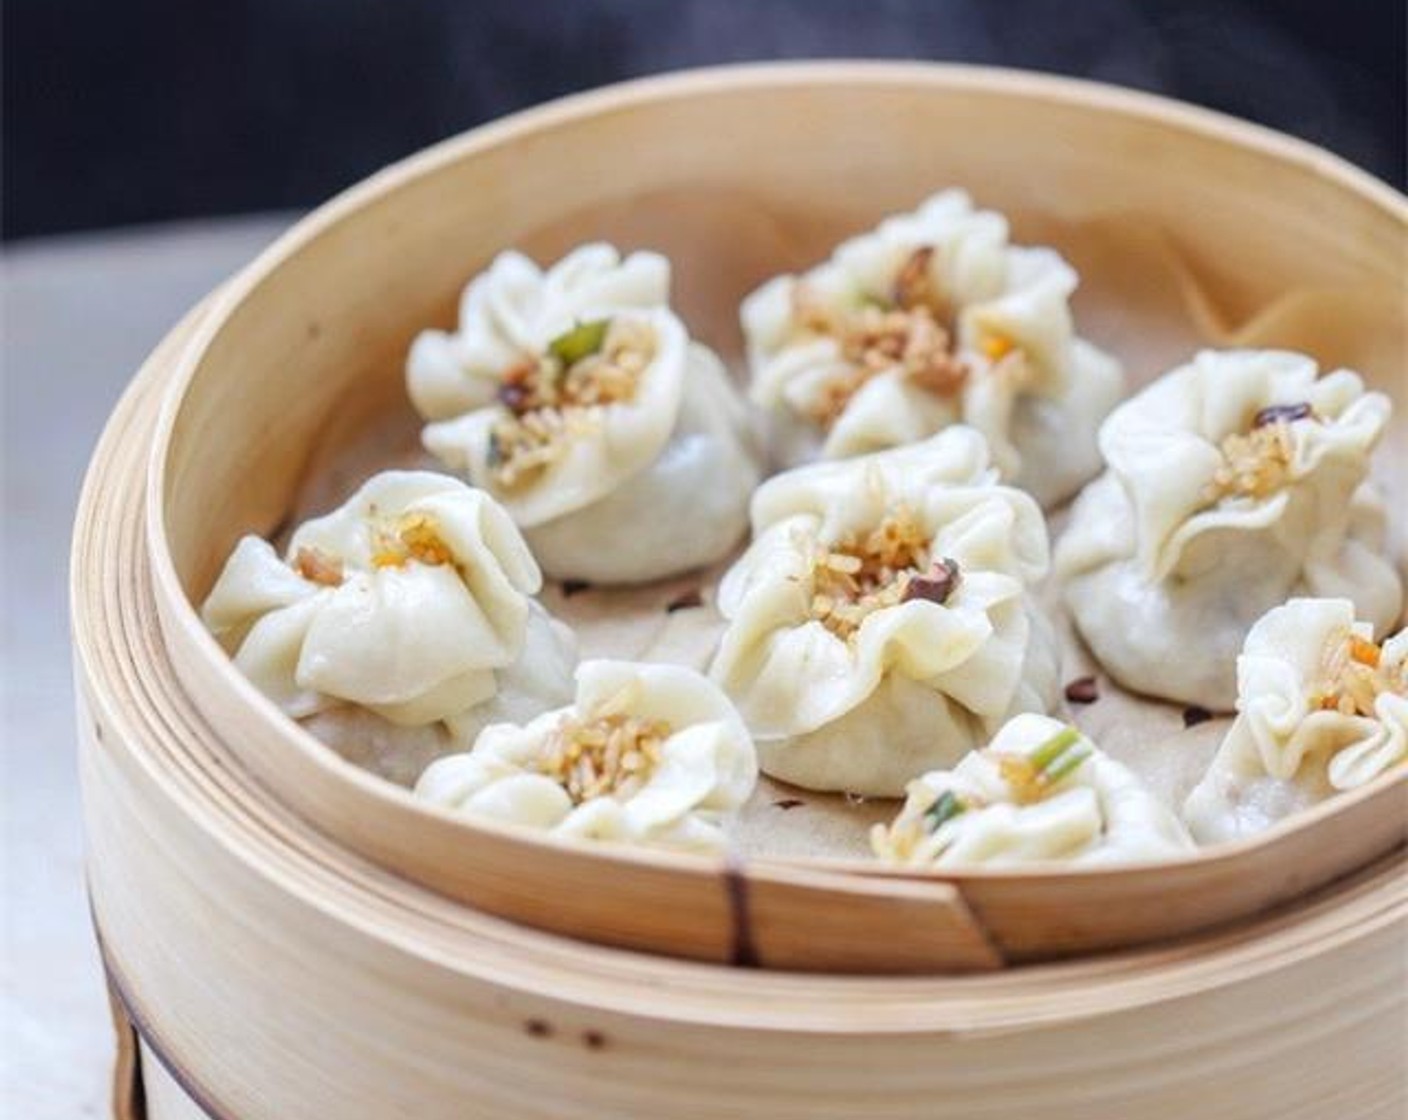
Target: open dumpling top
<point x="932" y="319"/>
<point x="1233" y="439"/>
<point x="1321" y="708"/>
<point x="1236" y="482"/>
<point x="880" y="623"/>
<point x="405" y="601"/>
<point x="515" y="309"/>
<point x="1039" y="792"/>
<point x="558" y="385"/>
<point x="646" y="754"/>
<point x="893" y="563"/>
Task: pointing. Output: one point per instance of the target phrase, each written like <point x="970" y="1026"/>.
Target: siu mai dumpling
<point x="1040" y="792"/>
<point x="1235" y="482"/>
<point x="880" y="624"/>
<point x="576" y="397"/>
<point x="933" y="319"/>
<point x="652" y="755"/>
<point x="1321" y="708"/>
<point x="399" y="624"/>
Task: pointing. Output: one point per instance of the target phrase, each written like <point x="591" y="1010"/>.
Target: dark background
<point x="155" y="109"/>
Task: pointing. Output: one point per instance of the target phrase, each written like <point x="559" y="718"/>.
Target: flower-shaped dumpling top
<point x="411" y="600"/>
<point x="1321" y="708"/>
<point x="932" y="319"/>
<point x="1235" y="482"/>
<point x="1040" y="792"/>
<point x="647" y="754"/>
<point x="879" y="625"/>
<point x="577" y="399"/>
<point x="514" y="308"/>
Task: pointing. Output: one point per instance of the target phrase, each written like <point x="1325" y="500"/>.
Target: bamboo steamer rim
<point x="180" y="619"/>
<point x="137" y="702"/>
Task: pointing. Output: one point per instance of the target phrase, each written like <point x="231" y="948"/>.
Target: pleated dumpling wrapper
<point x="577" y="399"/>
<point x="1321" y="709"/>
<point x="1040" y="792"/>
<point x="880" y="623"/>
<point x="412" y="604"/>
<point x="932" y="319"/>
<point x="653" y="755"/>
<point x="1235" y="482"/>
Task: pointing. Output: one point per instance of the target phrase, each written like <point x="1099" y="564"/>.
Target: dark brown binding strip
<point x="744" y="951"/>
<point x="129" y="1099"/>
<point x="140" y="1026"/>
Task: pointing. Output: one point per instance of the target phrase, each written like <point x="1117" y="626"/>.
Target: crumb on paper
<point x="686" y="600"/>
<point x="1083" y="690"/>
<point x="1195" y="714"/>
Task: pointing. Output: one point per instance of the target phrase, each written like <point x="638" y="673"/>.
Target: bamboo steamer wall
<point x="274" y="975"/>
<point x="271" y="971"/>
<point x="1187" y="228"/>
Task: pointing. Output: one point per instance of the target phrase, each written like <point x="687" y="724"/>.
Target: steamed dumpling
<point x="653" y="755"/>
<point x="880" y="623"/>
<point x="577" y="399"/>
<point x="1321" y="709"/>
<point x="1040" y="792"/>
<point x="410" y="604"/>
<point x="1234" y="483"/>
<point x="933" y="319"/>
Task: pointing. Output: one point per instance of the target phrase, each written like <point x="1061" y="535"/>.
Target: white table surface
<point x="77" y="316"/>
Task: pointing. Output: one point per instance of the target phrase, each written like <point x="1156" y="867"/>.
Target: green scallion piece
<point x="1053" y="748"/>
<point x="948" y="806"/>
<point x="582" y="341"/>
<point x="1066" y="764"/>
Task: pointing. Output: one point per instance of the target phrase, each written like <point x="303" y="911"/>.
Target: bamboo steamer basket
<point x="306" y="348"/>
<point x="253" y="894"/>
<point x="267" y="972"/>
